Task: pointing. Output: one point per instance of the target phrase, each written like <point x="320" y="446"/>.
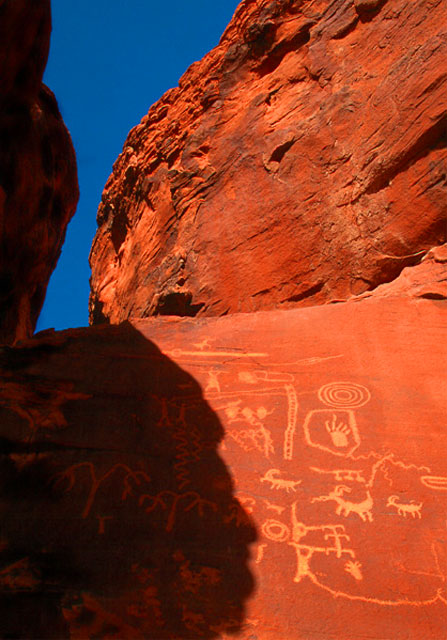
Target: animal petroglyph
<point x="404" y="509"/>
<point x="345" y="507"/>
<point x="278" y="483"/>
<point x="274" y="507"/>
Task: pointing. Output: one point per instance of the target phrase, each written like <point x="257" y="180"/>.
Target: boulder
<point x="38" y="176"/>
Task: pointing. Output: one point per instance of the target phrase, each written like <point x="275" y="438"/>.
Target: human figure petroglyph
<point x="213" y="383"/>
<point x="278" y="483"/>
<point x="70" y="476"/>
<point x="413" y="508"/>
<point x="196" y="501"/>
<point x="345" y="507"/>
<point x="204" y="344"/>
<point x="305" y="552"/>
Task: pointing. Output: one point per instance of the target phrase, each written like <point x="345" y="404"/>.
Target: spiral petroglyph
<point x="344" y="395"/>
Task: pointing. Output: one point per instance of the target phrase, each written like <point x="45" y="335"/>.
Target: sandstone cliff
<point x="302" y="160"/>
<point x="38" y="177"/>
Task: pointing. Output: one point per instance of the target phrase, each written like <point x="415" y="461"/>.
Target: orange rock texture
<point x="265" y="476"/>
<point x="303" y="160"/>
<point x="38" y="176"/>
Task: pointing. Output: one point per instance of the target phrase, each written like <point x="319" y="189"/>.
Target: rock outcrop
<point x="302" y="160"/>
<point x="271" y="475"/>
<point x="38" y="177"/>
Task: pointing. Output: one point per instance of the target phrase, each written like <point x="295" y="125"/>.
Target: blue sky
<point x="109" y="61"/>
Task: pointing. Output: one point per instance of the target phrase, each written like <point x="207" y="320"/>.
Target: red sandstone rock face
<point x="277" y="475"/>
<point x="302" y="160"/>
<point x="38" y="177"/>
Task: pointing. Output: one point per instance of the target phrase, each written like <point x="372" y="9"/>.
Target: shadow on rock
<point x="120" y="518"/>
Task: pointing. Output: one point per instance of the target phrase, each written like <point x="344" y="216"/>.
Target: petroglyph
<point x="201" y="353"/>
<point x="438" y="483"/>
<point x="260" y="553"/>
<point x="41" y="405"/>
<point x="345" y="507"/>
<point x="70" y="476"/>
<point x="274" y="507"/>
<point x="278" y="483"/>
<point x="275" y="530"/>
<point x="344" y="395"/>
<point x="304" y="552"/>
<point x="333" y="431"/>
<point x="354" y="569"/>
<point x="188" y="446"/>
<point x="213" y="384"/>
<point x="195" y="501"/>
<point x="204" y="344"/>
<point x="238" y="511"/>
<point x="253" y="377"/>
<point x="340" y="475"/>
<point x="101" y="523"/>
<point x="338" y="431"/>
<point x="403" y="509"/>
<point x="292" y="413"/>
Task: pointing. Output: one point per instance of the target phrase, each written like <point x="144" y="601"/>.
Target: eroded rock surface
<point x="302" y="160"/>
<point x="38" y="177"/>
<point x="272" y="475"/>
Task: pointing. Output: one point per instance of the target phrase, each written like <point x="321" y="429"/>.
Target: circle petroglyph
<point x="344" y="395"/>
<point x="275" y="530"/>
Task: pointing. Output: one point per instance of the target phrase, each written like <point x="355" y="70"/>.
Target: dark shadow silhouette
<point x="119" y="519"/>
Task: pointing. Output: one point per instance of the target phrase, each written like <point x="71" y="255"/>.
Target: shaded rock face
<point x="38" y="176"/>
<point x="302" y="160"/>
<point x="270" y="475"/>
